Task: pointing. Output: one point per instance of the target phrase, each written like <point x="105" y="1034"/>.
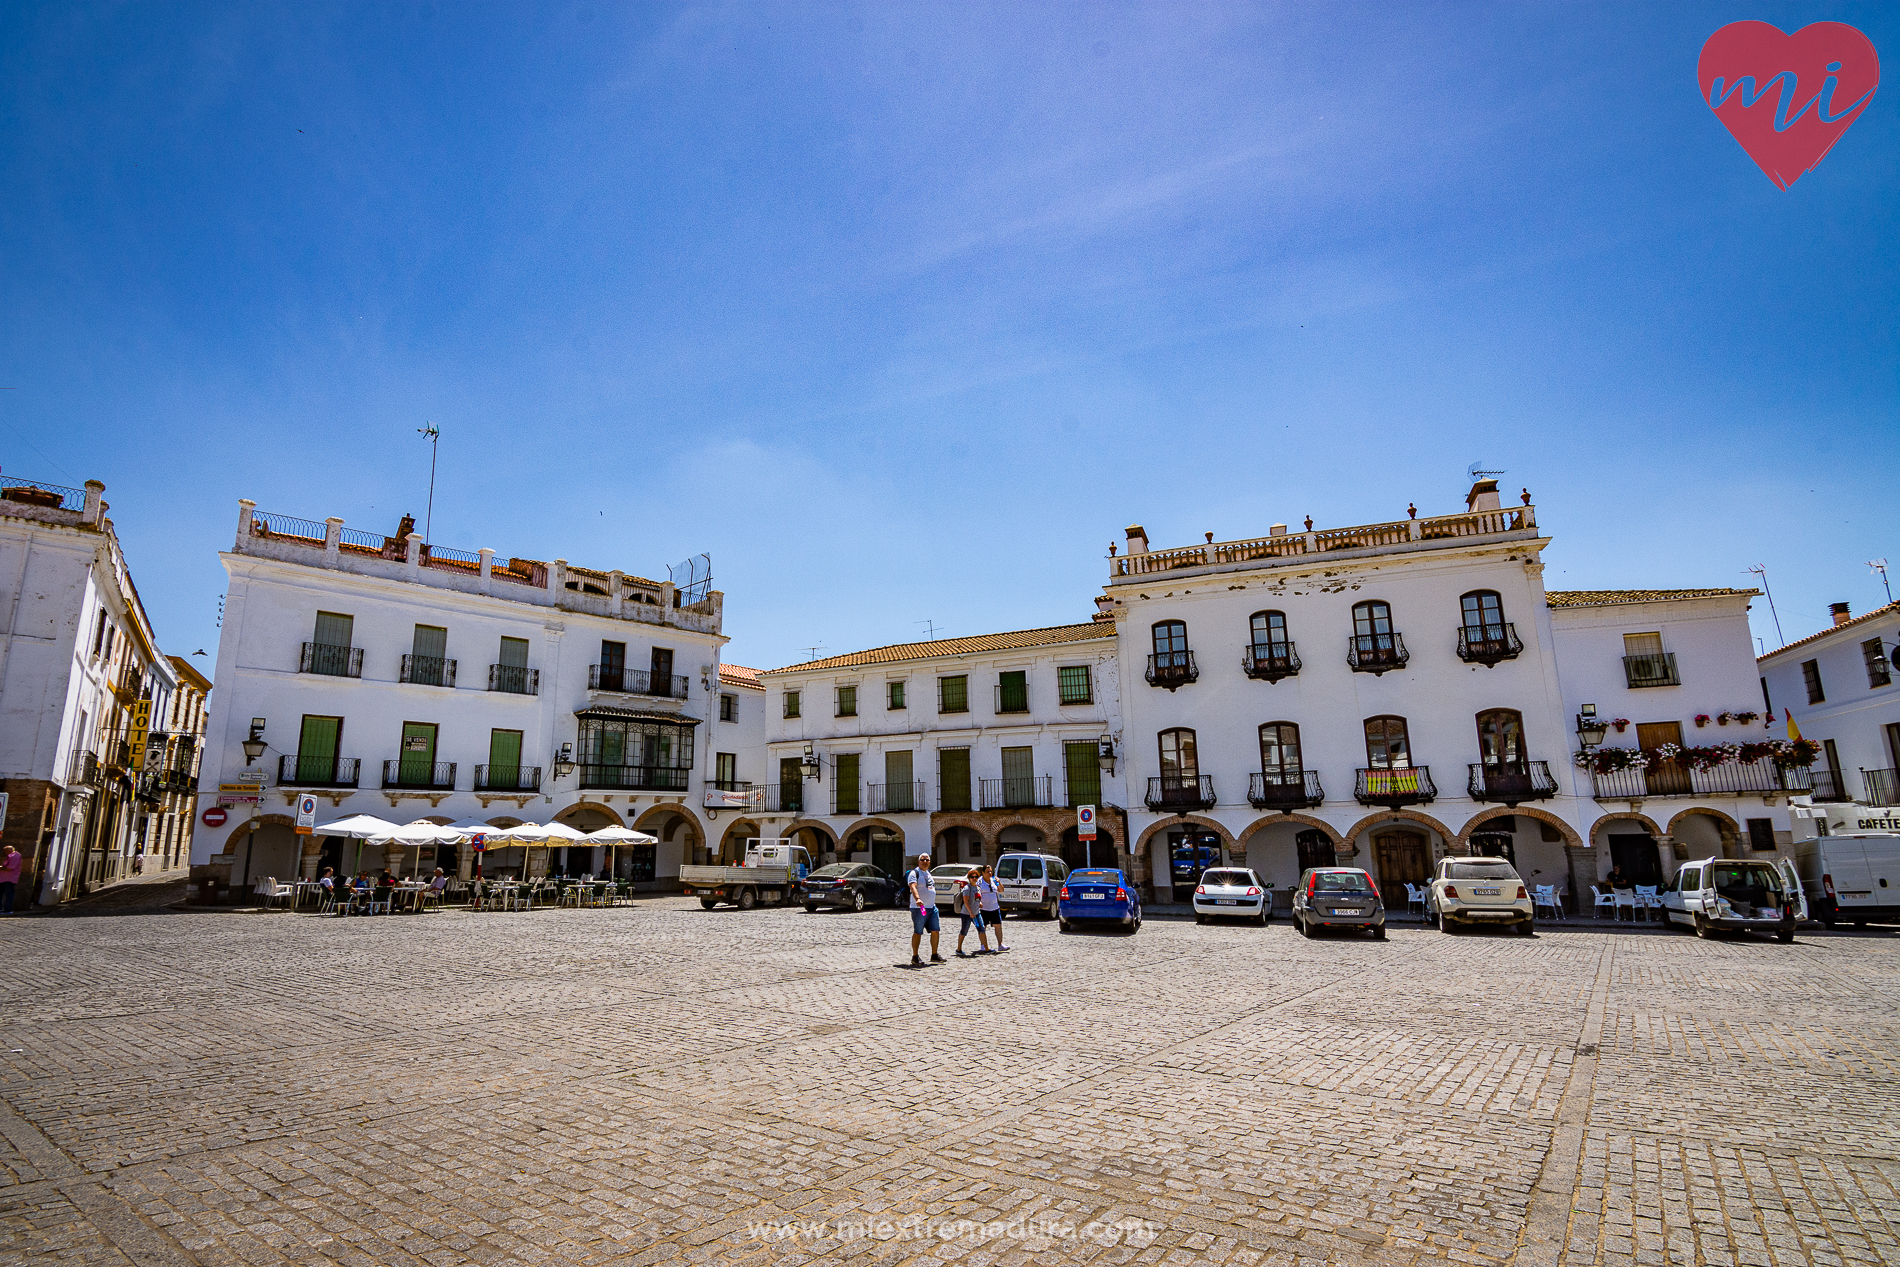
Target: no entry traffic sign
<point x="215" y="816"/>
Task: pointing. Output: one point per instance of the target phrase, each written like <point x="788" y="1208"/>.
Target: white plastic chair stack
<point x="1647" y="900"/>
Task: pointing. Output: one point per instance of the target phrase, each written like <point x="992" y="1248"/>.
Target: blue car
<point x="1098" y="896"/>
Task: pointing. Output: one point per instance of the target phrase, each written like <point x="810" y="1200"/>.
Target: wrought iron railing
<point x="1827" y="785"/>
<point x="309" y="770"/>
<point x="1285" y="790"/>
<point x="1410" y="785"/>
<point x="1270" y="661"/>
<point x="1020" y="792"/>
<point x="507" y="778"/>
<point x="431" y="775"/>
<point x="1672" y="778"/>
<point x="389" y="547"/>
<point x="428" y="670"/>
<point x="1172" y="669"/>
<point x="1488" y="644"/>
<point x="1511" y="784"/>
<point x="846" y="798"/>
<point x="1651" y="670"/>
<point x="85" y="769"/>
<point x="1881" y="786"/>
<point x="785" y="798"/>
<point x="734" y="794"/>
<point x="34" y="493"/>
<point x="601" y="677"/>
<point x="321" y="657"/>
<point x="265" y="524"/>
<point x="434" y="556"/>
<point x="637" y="778"/>
<point x="1376" y="653"/>
<point x="514" y="679"/>
<point x="1175" y="794"/>
<point x="895" y="798"/>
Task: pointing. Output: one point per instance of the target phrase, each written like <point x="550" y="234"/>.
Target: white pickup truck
<point x="772" y="872"/>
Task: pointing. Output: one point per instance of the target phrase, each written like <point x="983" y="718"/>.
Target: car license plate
<point x="1025" y="895"/>
<point x="1095" y="897"/>
<point x="1485" y="892"/>
<point x="1342" y="910"/>
<point x="1225" y="901"/>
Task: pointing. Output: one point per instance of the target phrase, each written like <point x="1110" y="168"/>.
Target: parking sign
<point x="306" y="814"/>
<point x="1085" y="822"/>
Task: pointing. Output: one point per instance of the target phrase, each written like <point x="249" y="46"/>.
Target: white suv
<point x="1030" y="882"/>
<point x="1475" y="890"/>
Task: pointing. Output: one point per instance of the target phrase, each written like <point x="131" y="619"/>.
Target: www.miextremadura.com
<point x="1132" y="1231"/>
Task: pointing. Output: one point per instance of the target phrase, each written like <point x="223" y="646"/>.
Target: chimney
<point x="407" y="526"/>
<point x="1483" y="496"/>
<point x="1104" y="608"/>
<point x="1137" y="539"/>
<point x="1840" y="613"/>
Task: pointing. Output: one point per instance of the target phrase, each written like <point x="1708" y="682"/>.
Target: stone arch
<point x="246" y="837"/>
<point x="595" y="806"/>
<point x="732" y="839"/>
<point x="262" y="820"/>
<point x="1571" y="839"/>
<point x="1727" y="830"/>
<point x="1392" y="817"/>
<point x="660" y="816"/>
<point x="824" y="839"/>
<point x="1305" y="820"/>
<point x="972" y="820"/>
<point x="1155" y="830"/>
<point x="885" y="823"/>
<point x="1627" y="816"/>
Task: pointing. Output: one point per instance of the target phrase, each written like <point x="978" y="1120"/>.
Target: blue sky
<point x="904" y="312"/>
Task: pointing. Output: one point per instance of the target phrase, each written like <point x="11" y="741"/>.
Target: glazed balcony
<point x="1172" y="669"/>
<point x="1180" y="794"/>
<point x="507" y="778"/>
<point x="1395" y="788"/>
<point x="604" y="677"/>
<point x="895" y="798"/>
<point x="430" y="776"/>
<point x="1021" y="792"/>
<point x="1270" y="661"/>
<point x="319" y="657"/>
<point x="1285" y="790"/>
<point x="514" y="680"/>
<point x="427" y="670"/>
<point x="1376" y="653"/>
<point x="313" y="771"/>
<point x="1488" y="645"/>
<point x="1511" y="784"/>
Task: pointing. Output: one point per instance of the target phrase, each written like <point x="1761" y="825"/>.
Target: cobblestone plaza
<point x="658" y="1083"/>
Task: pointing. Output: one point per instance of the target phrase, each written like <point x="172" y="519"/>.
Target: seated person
<point x="439" y="881"/>
<point x="385" y="880"/>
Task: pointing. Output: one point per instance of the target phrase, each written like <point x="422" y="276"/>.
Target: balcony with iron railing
<point x="1489" y="645"/>
<point x="1651" y="670"/>
<point x="320" y="657"/>
<point x="514" y="680"/>
<point x="1511" y="783"/>
<point x="1028" y="791"/>
<point x="1180" y="794"/>
<point x="315" y="771"/>
<point x="1376" y="653"/>
<point x="507" y="778"/>
<point x="1395" y="787"/>
<point x="895" y="798"/>
<point x="601" y="677"/>
<point x="86" y="770"/>
<point x="1172" y="669"/>
<point x="148" y="787"/>
<point x="636" y="778"/>
<point x="47" y="496"/>
<point x="177" y="780"/>
<point x="1827" y="786"/>
<point x="1881" y="787"/>
<point x="432" y="776"/>
<point x="734" y="794"/>
<point x="1673" y="778"/>
<point x="1270" y="661"/>
<point x="1285" y="790"/>
<point x="427" y="670"/>
<point x="785" y="798"/>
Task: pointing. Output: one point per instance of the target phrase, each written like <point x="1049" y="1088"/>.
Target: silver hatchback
<point x="1338" y="897"/>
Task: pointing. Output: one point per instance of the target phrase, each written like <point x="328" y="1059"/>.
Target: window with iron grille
<point x="1073" y="685"/>
<point x="1811" y="678"/>
<point x="1761" y="833"/>
<point x="791" y="703"/>
<point x="1083" y="768"/>
<point x="953" y="694"/>
<point x="896" y="694"/>
<point x="1878" y="673"/>
<point x="1012" y="692"/>
<point x="728" y="708"/>
<point x="847" y="701"/>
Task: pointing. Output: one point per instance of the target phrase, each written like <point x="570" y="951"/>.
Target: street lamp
<point x="564" y="761"/>
<point x="810" y="765"/>
<point x="1590" y="727"/>
<point x="255" y="745"/>
<point x="1105" y="753"/>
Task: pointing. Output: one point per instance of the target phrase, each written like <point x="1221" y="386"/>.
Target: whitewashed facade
<point x="959" y="746"/>
<point x="1843" y="692"/>
<point x="77" y="662"/>
<point x="410" y="681"/>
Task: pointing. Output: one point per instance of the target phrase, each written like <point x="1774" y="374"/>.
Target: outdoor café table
<point x="409" y="896"/>
<point x="303" y="888"/>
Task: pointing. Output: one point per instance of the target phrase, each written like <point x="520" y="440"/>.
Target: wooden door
<point x="1403" y="858"/>
<point x="1670" y="778"/>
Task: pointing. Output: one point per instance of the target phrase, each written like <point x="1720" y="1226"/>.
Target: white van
<point x="1851" y="879"/>
<point x="1736" y="895"/>
<point x="1030" y="882"/>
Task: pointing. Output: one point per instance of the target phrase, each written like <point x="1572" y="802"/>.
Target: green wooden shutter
<point x="1014" y="695"/>
<point x="899" y="796"/>
<point x="953" y="694"/>
<point x="847" y="787"/>
<point x="953" y="778"/>
<point x="514" y="652"/>
<point x="504" y="758"/>
<point x="431" y="641"/>
<point x="416" y="762"/>
<point x="791" y="784"/>
<point x="1019" y="776"/>
<point x="334" y="630"/>
<point x="1085" y="773"/>
<point x="317" y="748"/>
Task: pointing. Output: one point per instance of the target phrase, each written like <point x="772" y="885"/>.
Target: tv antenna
<point x="1761" y="570"/>
<point x="811" y="653"/>
<point x="1477" y="474"/>
<point x="1879" y="568"/>
<point x="434" y="438"/>
<point x="930" y="628"/>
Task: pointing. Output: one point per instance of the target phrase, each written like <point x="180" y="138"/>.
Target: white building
<point x="1839" y="687"/>
<point x="736" y="784"/>
<point x="1388" y="693"/>
<point x="414" y="681"/>
<point x="84" y="693"/>
<point x="959" y="746"/>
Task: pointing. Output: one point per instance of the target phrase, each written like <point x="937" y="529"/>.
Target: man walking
<point x="970" y="911"/>
<point x="11" y="864"/>
<point x="923" y="911"/>
<point x="991" y="903"/>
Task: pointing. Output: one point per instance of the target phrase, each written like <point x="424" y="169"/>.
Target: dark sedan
<point x="852" y="884"/>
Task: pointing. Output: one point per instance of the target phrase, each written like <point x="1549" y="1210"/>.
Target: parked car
<point x="853" y="884"/>
<point x="1030" y="881"/>
<point x="1473" y="890"/>
<point x="1734" y="894"/>
<point x="1851" y="879"/>
<point x="1338" y="897"/>
<point x="947" y="876"/>
<point x="1231" y="893"/>
<point x="1098" y="896"/>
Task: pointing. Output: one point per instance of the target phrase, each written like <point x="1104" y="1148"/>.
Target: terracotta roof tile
<point x="739" y="675"/>
<point x="1891" y="609"/>
<point x="1610" y="598"/>
<point x="1055" y="635"/>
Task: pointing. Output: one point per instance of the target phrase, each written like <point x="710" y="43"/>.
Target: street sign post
<point x="215" y="817"/>
<point x="306" y="814"/>
<point x="1085" y="832"/>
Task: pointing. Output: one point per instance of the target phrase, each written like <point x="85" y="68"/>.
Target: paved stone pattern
<point x="662" y="1084"/>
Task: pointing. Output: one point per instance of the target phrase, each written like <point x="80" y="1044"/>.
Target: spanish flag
<point x="1794" y="731"/>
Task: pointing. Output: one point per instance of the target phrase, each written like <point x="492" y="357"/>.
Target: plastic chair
<point x="1414" y="896"/>
<point x="1647" y="901"/>
<point x="1625" y="901"/>
<point x="1547" y="900"/>
<point x="1602" y="898"/>
<point x="326" y="901"/>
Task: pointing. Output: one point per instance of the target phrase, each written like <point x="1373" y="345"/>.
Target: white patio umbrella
<point x="423" y="832"/>
<point x="614" y="837"/>
<point x="361" y="827"/>
<point x="529" y="834"/>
